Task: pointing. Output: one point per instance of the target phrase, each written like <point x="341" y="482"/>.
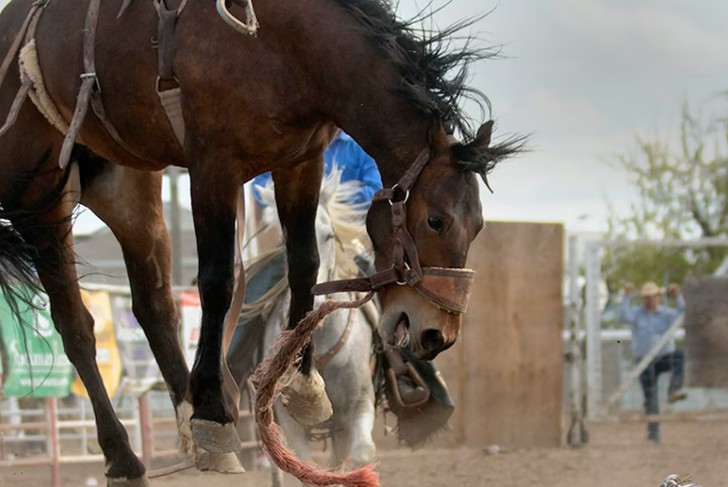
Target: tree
<point x="683" y="194"/>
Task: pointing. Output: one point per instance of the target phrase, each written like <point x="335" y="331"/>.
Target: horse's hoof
<point x="215" y="437"/>
<point x="306" y="399"/>
<point x="218" y="462"/>
<point x="124" y="482"/>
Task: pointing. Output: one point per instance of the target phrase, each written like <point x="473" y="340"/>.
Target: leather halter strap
<point x="447" y="288"/>
<point x="321" y="360"/>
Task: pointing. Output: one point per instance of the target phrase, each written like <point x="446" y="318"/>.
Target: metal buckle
<point x="404" y="281"/>
<point x="395" y="189"/>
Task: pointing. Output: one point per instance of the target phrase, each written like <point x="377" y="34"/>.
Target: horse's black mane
<point x="434" y="72"/>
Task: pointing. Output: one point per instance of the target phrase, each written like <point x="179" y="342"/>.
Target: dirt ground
<point x="617" y="456"/>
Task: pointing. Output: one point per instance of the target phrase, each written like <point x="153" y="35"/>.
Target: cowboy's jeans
<point x="671" y="362"/>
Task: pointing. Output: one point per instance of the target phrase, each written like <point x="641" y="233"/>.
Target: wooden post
<point x="577" y="430"/>
<point x="506" y="376"/>
<point x="147" y="432"/>
<point x="53" y="443"/>
<point x="175" y="230"/>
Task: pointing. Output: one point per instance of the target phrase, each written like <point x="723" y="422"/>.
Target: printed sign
<point x="37" y="364"/>
<point x="191" y="318"/>
<point x="108" y="359"/>
<point x="140" y="368"/>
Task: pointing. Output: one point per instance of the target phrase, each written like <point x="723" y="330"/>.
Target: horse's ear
<point x="482" y="138"/>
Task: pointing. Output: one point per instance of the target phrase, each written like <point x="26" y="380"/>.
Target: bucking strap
<point x="170" y="98"/>
<point x="165" y="38"/>
<point x="171" y="101"/>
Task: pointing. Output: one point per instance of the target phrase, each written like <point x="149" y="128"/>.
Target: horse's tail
<point x="17" y="270"/>
<point x="19" y="281"/>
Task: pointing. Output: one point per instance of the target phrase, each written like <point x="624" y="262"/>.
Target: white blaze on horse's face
<point x="444" y="215"/>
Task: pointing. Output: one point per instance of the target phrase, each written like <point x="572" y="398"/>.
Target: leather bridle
<point x="446" y="287"/>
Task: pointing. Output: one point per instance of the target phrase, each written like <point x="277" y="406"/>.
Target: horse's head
<point x="443" y="215"/>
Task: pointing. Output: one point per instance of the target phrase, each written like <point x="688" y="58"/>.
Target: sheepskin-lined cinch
<point x="30" y="69"/>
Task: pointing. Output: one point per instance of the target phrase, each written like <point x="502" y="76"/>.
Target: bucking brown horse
<point x="121" y="90"/>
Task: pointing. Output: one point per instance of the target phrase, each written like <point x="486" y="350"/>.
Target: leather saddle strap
<point x="165" y="38"/>
<point x="31" y="18"/>
<point x="88" y="81"/>
<point x="89" y="64"/>
<point x="90" y="92"/>
<point x="24" y="35"/>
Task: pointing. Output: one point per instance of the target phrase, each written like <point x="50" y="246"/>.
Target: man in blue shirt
<point x="649" y="322"/>
<point x="354" y="163"/>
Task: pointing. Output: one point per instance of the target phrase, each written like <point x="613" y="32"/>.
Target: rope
<point x="266" y="377"/>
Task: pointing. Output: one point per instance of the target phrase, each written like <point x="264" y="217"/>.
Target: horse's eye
<point x="436" y="223"/>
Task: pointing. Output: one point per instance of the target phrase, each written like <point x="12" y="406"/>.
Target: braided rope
<point x="266" y="378"/>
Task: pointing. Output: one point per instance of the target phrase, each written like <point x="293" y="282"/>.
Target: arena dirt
<point x="618" y="456"/>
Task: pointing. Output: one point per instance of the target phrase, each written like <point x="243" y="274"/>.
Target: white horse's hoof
<point x="124" y="482"/>
<point x="218" y="462"/>
<point x="364" y="454"/>
<point x="306" y="399"/>
<point x="215" y="437"/>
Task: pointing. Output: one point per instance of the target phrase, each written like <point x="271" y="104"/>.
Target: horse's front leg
<point x="297" y="194"/>
<point x="215" y="185"/>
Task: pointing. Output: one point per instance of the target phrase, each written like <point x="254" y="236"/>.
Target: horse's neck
<point x="339" y="74"/>
<point x="367" y="105"/>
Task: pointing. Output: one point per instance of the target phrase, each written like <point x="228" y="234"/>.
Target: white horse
<point x="342" y="346"/>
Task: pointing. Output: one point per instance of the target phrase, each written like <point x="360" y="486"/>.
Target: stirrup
<point x="399" y="368"/>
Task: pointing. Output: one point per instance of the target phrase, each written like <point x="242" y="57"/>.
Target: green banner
<point x="38" y="366"/>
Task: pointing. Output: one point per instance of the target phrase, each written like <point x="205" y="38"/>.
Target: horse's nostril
<point x="432" y="340"/>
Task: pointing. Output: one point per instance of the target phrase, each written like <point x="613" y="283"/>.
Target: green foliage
<point x="683" y="194"/>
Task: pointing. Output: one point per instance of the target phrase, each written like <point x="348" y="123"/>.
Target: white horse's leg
<point x="353" y="396"/>
<point x="353" y="440"/>
<point x="276" y="476"/>
<point x="295" y="435"/>
<point x="363" y="449"/>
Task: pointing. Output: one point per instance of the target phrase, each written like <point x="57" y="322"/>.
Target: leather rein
<point x="446" y="287"/>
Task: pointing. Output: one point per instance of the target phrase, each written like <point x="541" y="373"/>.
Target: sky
<point x="582" y="78"/>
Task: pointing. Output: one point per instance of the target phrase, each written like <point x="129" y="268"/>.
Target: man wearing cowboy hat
<point x="649" y="322"/>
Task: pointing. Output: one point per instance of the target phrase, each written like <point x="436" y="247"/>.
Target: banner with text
<point x="108" y="358"/>
<point x="140" y="368"/>
<point x="37" y="364"/>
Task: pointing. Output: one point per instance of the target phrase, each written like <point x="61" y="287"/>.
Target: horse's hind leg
<point x="129" y="202"/>
<point x="50" y="233"/>
<point x="147" y="253"/>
